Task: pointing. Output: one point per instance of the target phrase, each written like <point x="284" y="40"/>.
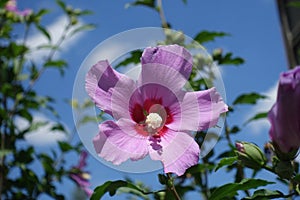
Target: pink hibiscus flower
<point x="11" y="6"/>
<point x="153" y="115"/>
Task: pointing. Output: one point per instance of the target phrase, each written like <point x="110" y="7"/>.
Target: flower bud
<point x="285" y="114"/>
<point x="250" y="155"/>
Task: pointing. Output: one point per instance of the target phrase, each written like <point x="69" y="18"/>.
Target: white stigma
<point x="153" y="121"/>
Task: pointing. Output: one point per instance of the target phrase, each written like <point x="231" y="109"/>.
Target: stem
<point x="171" y="186"/>
<point x="162" y="14"/>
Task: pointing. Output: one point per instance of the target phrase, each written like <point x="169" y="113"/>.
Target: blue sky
<point x="255" y="36"/>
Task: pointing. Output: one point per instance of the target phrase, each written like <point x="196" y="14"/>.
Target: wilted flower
<point x="285" y="114"/>
<point x="11" y="6"/>
<point x="153" y="114"/>
<point x="80" y="176"/>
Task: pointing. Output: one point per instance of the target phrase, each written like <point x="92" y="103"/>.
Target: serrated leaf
<point x="250" y="98"/>
<point x="209" y="36"/>
<point x="44" y="31"/>
<point x="230" y="190"/>
<point x="228" y="59"/>
<point x="226" y="162"/>
<point x="85" y="27"/>
<point x="265" y="194"/>
<point x="111" y="187"/>
<point x="258" y="116"/>
<point x="134" y="57"/>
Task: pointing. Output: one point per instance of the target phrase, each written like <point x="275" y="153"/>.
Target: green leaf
<point x="24" y="113"/>
<point x="230" y="190"/>
<point x="87" y="119"/>
<point x="4" y="152"/>
<point x="258" y="116"/>
<point x="61" y="4"/>
<point x="59" y="64"/>
<point x="265" y="194"/>
<point x="294" y="4"/>
<point x="111" y="187"/>
<point x="227" y="59"/>
<point x="184" y="1"/>
<point x="208" y="36"/>
<point x="86" y="27"/>
<point x="226" y="161"/>
<point x="148" y="3"/>
<point x="58" y="127"/>
<point x="250" y="98"/>
<point x="64" y="146"/>
<point x="44" y="31"/>
<point x="234" y="130"/>
<point x="133" y="58"/>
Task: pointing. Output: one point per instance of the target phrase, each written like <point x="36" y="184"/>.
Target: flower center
<point x="153" y="121"/>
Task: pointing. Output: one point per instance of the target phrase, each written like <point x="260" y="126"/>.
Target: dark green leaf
<point x="250" y="98"/>
<point x="294" y="4"/>
<point x="265" y="194"/>
<point x="226" y="161"/>
<point x="64" y="146"/>
<point x="134" y="57"/>
<point x="208" y="36"/>
<point x="24" y="113"/>
<point x="258" y="116"/>
<point x="163" y="179"/>
<point x="234" y="129"/>
<point x="230" y="190"/>
<point x="184" y="1"/>
<point x="61" y="4"/>
<point x="59" y="64"/>
<point x="58" y="127"/>
<point x="148" y="3"/>
<point x="44" y="31"/>
<point x="227" y="59"/>
<point x="111" y="187"/>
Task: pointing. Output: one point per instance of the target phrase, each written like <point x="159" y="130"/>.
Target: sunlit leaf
<point x="209" y="36"/>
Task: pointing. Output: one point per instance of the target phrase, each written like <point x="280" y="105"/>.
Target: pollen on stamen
<point x="153" y="121"/>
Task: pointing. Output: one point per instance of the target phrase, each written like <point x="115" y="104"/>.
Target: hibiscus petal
<point x="173" y="56"/>
<point x="118" y="142"/>
<point x="199" y="111"/>
<point x="103" y="82"/>
<point x="177" y="150"/>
